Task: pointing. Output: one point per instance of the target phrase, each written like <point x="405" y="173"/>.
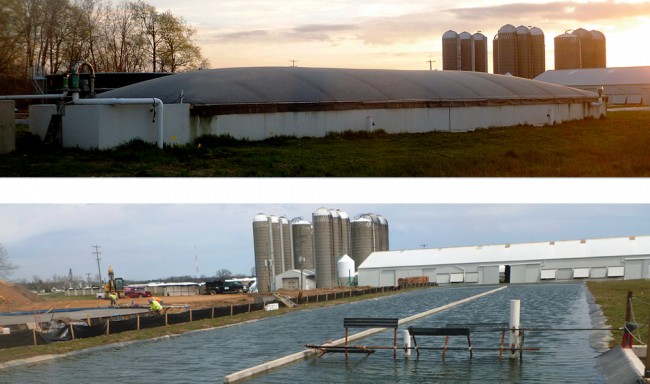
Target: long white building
<point x="608" y="258"/>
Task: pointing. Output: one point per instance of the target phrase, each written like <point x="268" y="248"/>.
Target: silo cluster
<point x="464" y="51"/>
<point x="580" y="49"/>
<point x="519" y="51"/>
<point x="329" y="245"/>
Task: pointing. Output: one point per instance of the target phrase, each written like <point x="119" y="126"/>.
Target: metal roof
<point x="632" y="246"/>
<point x="597" y="76"/>
<point x="276" y="85"/>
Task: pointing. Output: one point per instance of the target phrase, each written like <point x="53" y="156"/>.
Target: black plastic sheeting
<point x="82" y="331"/>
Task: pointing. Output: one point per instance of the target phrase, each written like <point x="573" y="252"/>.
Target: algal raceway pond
<point x="210" y="355"/>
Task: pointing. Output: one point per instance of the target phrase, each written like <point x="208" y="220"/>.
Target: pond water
<point x="210" y="355"/>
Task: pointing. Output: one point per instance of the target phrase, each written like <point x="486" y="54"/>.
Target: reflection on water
<point x="208" y="356"/>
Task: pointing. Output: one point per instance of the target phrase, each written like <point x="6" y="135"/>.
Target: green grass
<point x="612" y="147"/>
<point x="612" y="298"/>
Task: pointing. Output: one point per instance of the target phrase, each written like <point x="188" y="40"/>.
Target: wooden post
<point x="108" y="327"/>
<point x="249" y="307"/>
<point x="88" y="319"/>
<point x="34" y="335"/>
<point x="190" y="315"/>
<point x="137" y="322"/>
<point x="71" y="331"/>
<point x="166" y="323"/>
<point x="231" y="310"/>
<point x="213" y="311"/>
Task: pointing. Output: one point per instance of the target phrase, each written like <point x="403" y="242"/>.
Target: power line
<point x="99" y="269"/>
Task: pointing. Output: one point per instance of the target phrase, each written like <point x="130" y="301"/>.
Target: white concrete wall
<point x="7" y="126"/>
<point x="259" y="126"/>
<point x="106" y="126"/>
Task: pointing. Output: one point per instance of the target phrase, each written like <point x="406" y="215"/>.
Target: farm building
<point x="608" y="258"/>
<point x="624" y="85"/>
<point x="258" y="103"/>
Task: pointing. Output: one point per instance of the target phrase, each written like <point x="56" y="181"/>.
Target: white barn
<point x="607" y="258"/>
<point x="622" y="85"/>
<point x="259" y="103"/>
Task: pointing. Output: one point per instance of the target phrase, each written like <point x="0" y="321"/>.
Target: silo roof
<point x="597" y="76"/>
<point x="296" y="88"/>
<point x="632" y="246"/>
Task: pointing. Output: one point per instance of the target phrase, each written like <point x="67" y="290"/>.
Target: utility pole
<point x="293" y="62"/>
<point x="99" y="269"/>
<point x="431" y="64"/>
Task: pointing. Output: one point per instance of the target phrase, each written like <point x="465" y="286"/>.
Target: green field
<point x="613" y="147"/>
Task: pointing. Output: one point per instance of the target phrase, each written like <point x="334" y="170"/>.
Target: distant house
<point x="623" y="85"/>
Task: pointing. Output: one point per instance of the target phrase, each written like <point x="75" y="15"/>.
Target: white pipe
<point x="515" y="307"/>
<point x="407" y="343"/>
<point x="29" y="97"/>
<point x="138" y="101"/>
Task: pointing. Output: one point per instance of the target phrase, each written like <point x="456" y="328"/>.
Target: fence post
<point x="88" y="319"/>
<point x="190" y="315"/>
<point x="231" y="310"/>
<point x="108" y="327"/>
<point x="213" y="311"/>
<point x="137" y="322"/>
<point x="34" y="335"/>
<point x="71" y="331"/>
<point x="166" y="323"/>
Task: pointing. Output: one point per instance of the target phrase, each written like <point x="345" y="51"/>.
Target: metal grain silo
<point x="383" y="234"/>
<point x="263" y="253"/>
<point x="276" y="240"/>
<point x="450" y="51"/>
<point x="524" y="64"/>
<point x="345" y="270"/>
<point x="323" y="247"/>
<point x="600" y="49"/>
<point x="345" y="234"/>
<point x="337" y="241"/>
<point x="466" y="51"/>
<point x="507" y="50"/>
<point x="480" y="52"/>
<point x="362" y="238"/>
<point x="285" y="235"/>
<point x="586" y="47"/>
<point x="567" y="51"/>
<point x="538" y="52"/>
<point x="495" y="54"/>
<point x="302" y="233"/>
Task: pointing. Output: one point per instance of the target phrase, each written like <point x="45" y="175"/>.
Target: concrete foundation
<point x="7" y="126"/>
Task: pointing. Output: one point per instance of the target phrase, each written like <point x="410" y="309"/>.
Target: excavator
<point x="115" y="285"/>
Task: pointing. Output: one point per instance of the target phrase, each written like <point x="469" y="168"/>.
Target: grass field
<point x="612" y="298"/>
<point x="613" y="147"/>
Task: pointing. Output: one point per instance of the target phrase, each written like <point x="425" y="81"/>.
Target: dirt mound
<point x="10" y="294"/>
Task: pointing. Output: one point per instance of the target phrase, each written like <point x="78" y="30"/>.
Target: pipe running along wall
<point x="157" y="103"/>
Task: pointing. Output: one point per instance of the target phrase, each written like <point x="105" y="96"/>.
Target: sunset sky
<point x="394" y="34"/>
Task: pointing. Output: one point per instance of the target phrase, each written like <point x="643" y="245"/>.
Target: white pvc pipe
<point x="30" y="97"/>
<point x="515" y="307"/>
<point x="134" y="101"/>
<point x="407" y="343"/>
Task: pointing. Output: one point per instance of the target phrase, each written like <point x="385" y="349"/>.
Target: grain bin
<point x="323" y="247"/>
<point x="586" y="47"/>
<point x="285" y="234"/>
<point x="507" y="50"/>
<point x="495" y="54"/>
<point x="567" y="51"/>
<point x="345" y="270"/>
<point x="362" y="239"/>
<point x="383" y="234"/>
<point x="450" y="51"/>
<point x="466" y="51"/>
<point x="524" y="64"/>
<point x="480" y="52"/>
<point x="345" y="234"/>
<point x="262" y="241"/>
<point x="600" y="49"/>
<point x="276" y="240"/>
<point x="537" y="51"/>
<point x="302" y="232"/>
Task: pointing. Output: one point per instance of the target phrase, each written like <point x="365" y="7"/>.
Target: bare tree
<point x="6" y="267"/>
<point x="223" y="274"/>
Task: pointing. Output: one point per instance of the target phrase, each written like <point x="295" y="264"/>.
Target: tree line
<point x="130" y="36"/>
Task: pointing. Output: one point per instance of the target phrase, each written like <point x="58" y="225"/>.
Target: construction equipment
<point x="115" y="285"/>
